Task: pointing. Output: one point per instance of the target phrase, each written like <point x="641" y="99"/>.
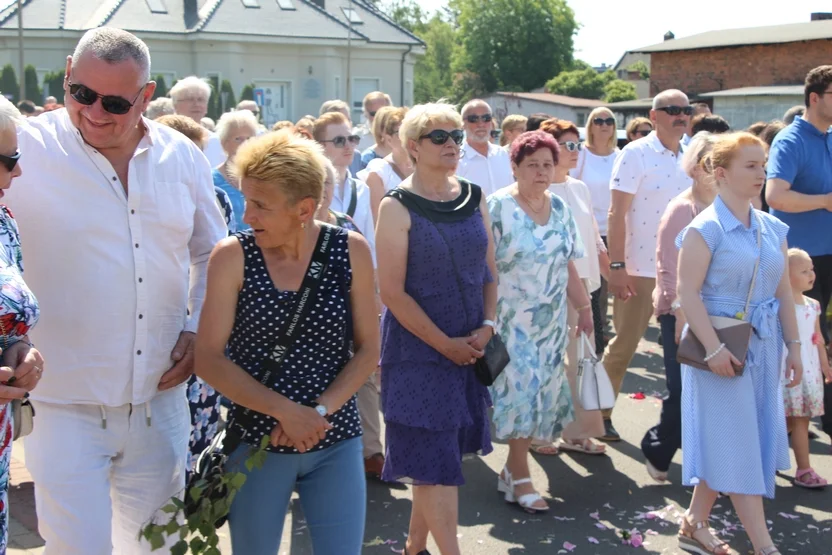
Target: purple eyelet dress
<point x="434" y="410"/>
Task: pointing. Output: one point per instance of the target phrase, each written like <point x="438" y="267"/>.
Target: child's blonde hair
<point x="795" y="254"/>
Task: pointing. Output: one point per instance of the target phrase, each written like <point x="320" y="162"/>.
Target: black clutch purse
<point x="493" y="362"/>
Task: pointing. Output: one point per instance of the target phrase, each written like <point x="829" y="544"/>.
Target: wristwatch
<point x="616" y="265"/>
<point x="491" y="324"/>
<point x="322" y="410"/>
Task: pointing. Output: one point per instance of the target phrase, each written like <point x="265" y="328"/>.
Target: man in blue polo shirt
<point x="799" y="191"/>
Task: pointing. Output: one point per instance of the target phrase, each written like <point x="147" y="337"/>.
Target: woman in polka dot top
<point x="307" y="407"/>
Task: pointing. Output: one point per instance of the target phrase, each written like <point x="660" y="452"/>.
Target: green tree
<point x="227" y="90"/>
<point x="514" y="44"/>
<point x="467" y="85"/>
<point x="619" y="91"/>
<point x="161" y="87"/>
<point x="247" y="93"/>
<point x="33" y="91"/>
<point x="214" y="109"/>
<point x="53" y="85"/>
<point x="8" y="83"/>
<point x="580" y="83"/>
<point x="641" y="68"/>
<point x="432" y="75"/>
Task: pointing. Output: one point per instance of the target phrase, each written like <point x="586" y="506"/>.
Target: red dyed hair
<point x="557" y="128"/>
<point x="530" y="142"/>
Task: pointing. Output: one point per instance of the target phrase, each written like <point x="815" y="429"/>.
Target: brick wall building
<point x="730" y="59"/>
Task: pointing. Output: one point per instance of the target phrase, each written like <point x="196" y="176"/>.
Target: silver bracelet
<point x="712" y="355"/>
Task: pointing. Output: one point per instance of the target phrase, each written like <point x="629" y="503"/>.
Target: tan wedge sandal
<point x="691" y="545"/>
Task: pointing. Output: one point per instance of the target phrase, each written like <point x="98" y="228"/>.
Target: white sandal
<point x="526" y="501"/>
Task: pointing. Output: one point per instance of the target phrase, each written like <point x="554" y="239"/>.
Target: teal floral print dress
<point x="531" y="397"/>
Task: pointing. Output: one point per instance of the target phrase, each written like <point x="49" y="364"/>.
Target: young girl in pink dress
<point x="806" y="400"/>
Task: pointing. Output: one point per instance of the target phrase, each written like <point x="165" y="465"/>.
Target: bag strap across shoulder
<point x="756" y="264"/>
<point x="305" y="299"/>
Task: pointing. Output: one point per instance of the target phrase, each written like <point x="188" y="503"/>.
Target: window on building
<point x="157" y="6"/>
<point x="251" y="3"/>
<point x="352" y="16"/>
<point x="286" y="4"/>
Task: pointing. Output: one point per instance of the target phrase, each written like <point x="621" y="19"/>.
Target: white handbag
<point x="595" y="390"/>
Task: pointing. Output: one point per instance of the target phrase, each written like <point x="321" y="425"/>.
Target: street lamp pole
<point x="20" y="50"/>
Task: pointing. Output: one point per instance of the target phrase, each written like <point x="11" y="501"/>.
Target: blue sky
<point x="611" y="27"/>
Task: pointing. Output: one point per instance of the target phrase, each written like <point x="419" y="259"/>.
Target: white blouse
<point x="384" y="170"/>
<point x="577" y="196"/>
<point x="596" y="172"/>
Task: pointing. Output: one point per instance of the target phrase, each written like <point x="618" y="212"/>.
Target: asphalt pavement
<point x="593" y="498"/>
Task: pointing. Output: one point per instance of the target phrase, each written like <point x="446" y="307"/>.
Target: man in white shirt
<point x="190" y="98"/>
<point x="118" y="216"/>
<point x="373" y="102"/>
<point x="645" y="178"/>
<point x="351" y="196"/>
<point x="482" y="162"/>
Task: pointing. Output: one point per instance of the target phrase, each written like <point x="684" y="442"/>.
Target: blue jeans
<point x="333" y="496"/>
<point x="662" y="441"/>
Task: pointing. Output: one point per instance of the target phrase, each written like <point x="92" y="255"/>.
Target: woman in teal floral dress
<point x="536" y="240"/>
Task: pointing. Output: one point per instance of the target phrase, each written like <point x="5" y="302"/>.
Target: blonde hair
<point x="185" y="125"/>
<point x="284" y="160"/>
<point x="699" y="146"/>
<point x="422" y="116"/>
<point x="513" y="122"/>
<point x="795" y="253"/>
<point x="726" y="147"/>
<point x="283" y="124"/>
<point x="386" y="122"/>
<point x="590" y="135"/>
<point x="327" y="119"/>
<point x="9" y="115"/>
<point x="231" y="120"/>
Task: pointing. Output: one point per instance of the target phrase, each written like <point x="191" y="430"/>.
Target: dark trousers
<point x="822" y="292"/>
<point x="599" y="299"/>
<point x="662" y="440"/>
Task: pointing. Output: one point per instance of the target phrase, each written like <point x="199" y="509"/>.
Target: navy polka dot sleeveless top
<point x="321" y="348"/>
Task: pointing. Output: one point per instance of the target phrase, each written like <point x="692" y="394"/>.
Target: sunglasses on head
<point x="643" y="132"/>
<point x="440" y="136"/>
<point x="10" y="161"/>
<point x="486" y="118"/>
<point x="676" y="110"/>
<point x="113" y="104"/>
<point x="341" y="141"/>
<point x="572" y="146"/>
<point x="604" y="121"/>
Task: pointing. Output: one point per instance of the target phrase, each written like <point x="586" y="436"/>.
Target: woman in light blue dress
<point x="536" y="241"/>
<point x="733" y="427"/>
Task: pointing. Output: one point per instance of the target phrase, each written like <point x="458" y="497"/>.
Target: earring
<point x="303" y="225"/>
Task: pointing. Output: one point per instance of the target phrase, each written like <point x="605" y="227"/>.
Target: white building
<point x="745" y="106"/>
<point x="569" y="108"/>
<point x="302" y="52"/>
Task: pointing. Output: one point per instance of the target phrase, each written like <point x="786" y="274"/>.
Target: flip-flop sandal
<point x="586" y="446"/>
<point x="549" y="449"/>
<point x="809" y="479"/>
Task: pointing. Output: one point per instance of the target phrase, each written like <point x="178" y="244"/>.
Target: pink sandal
<point x="809" y="479"/>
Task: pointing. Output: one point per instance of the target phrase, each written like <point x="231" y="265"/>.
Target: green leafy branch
<point x="198" y="532"/>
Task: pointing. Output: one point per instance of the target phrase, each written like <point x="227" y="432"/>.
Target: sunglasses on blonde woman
<point x="10" y="161"/>
<point x="604" y="121"/>
<point x="440" y="136"/>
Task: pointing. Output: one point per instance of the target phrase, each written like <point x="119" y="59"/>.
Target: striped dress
<point x="734" y="429"/>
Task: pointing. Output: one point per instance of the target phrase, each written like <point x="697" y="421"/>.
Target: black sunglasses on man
<point x="676" y="110"/>
<point x="112" y="104"/>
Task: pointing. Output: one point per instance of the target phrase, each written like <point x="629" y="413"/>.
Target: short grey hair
<point x="188" y="84"/>
<point x="661" y="99"/>
<point x="473" y="104"/>
<point x="9" y="115"/>
<point x="114" y="46"/>
<point x="162" y="106"/>
<point x="231" y="120"/>
<point x="334" y="106"/>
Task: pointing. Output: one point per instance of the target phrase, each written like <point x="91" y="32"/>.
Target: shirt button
<point x="139" y="352"/>
<point x="115" y="178"/>
<point x="141" y="316"/>
<point x="137" y="245"/>
<point x="132" y="211"/>
<point x="140" y="280"/>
